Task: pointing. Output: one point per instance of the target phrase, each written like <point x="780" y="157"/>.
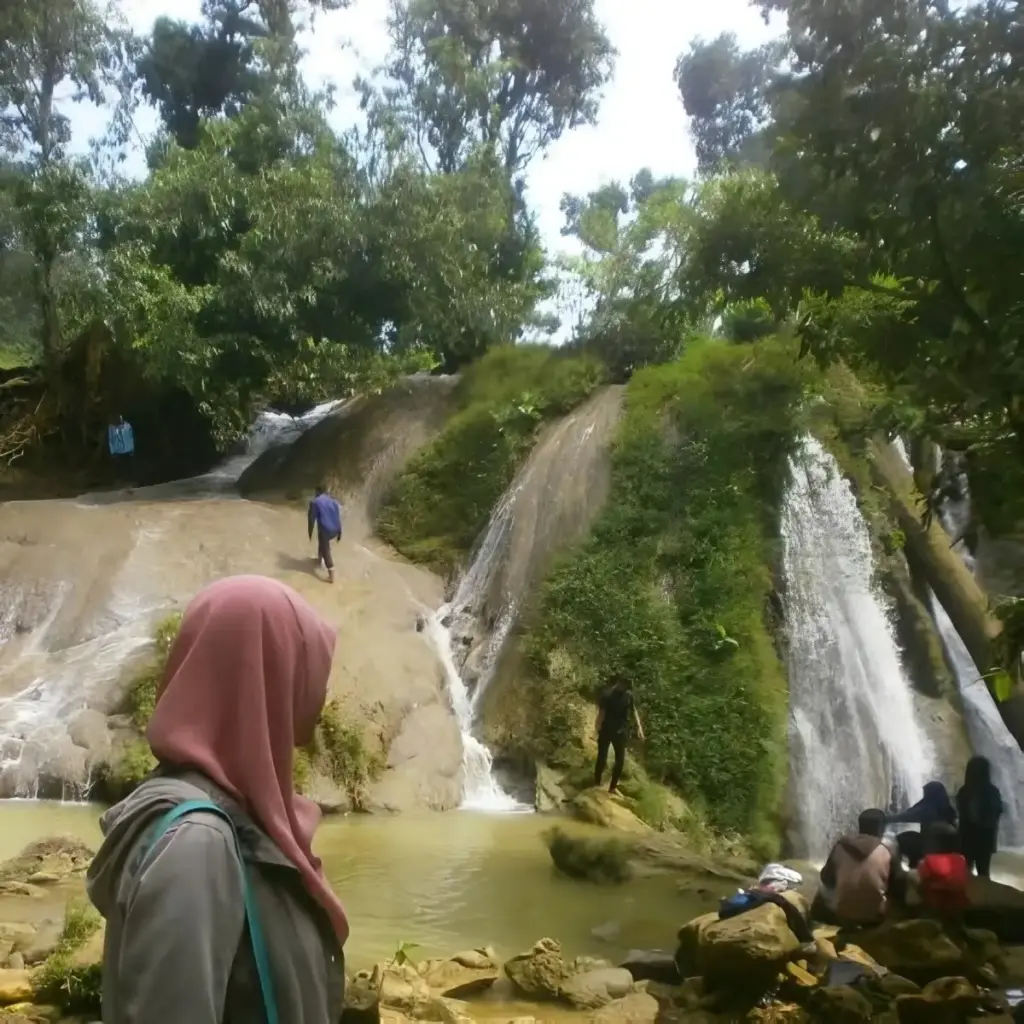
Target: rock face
<point x="751" y="946"/>
<point x="540" y="973"/>
<point x="598" y="807"/>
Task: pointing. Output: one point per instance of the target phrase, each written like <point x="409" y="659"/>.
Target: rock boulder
<point x="540" y="973"/>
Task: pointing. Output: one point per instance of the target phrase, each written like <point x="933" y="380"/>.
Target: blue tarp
<point x="120" y="439"/>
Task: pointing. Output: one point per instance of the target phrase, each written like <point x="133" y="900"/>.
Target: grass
<point x="674" y="587"/>
<point x="604" y="861"/>
<point x="441" y="502"/>
<point x="59" y="981"/>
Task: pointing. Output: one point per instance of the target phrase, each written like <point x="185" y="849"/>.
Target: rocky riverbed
<point x="749" y="968"/>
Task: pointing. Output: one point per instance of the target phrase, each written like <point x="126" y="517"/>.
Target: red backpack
<point x="943" y="878"/>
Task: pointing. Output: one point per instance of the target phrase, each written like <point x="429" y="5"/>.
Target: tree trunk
<point x="932" y="557"/>
<point x="930" y="551"/>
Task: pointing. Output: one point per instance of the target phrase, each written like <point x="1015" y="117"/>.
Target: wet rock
<point x="599" y="807"/>
<point x="548" y="793"/>
<point x="590" y="990"/>
<point x="778" y="1013"/>
<point x="750" y="948"/>
<point x="944" y="1001"/>
<point x="540" y="973"/>
<point x="689" y="944"/>
<point x="636" y="1008"/>
<point x="15" y="987"/>
<point x="841" y="1004"/>
<point x="996" y="908"/>
<point x="652" y="965"/>
<point x="89" y="730"/>
<point x="47" y="860"/>
<point x="399" y="986"/>
<point x="21" y="889"/>
<point x="920" y="949"/>
<point x="466" y="974"/>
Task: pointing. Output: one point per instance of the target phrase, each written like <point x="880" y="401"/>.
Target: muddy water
<point x="445" y="882"/>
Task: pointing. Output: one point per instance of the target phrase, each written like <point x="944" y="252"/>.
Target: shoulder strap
<point x="252" y="917"/>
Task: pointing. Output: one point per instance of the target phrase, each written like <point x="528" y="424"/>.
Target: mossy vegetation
<point x="339" y="751"/>
<point x="673" y="588"/>
<point x="441" y="502"/>
<point x="134" y="760"/>
<point x="61" y="981"/>
<point x="592" y="859"/>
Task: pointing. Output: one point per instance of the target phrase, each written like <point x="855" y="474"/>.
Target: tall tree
<point x="514" y="75"/>
<point x="45" y="49"/>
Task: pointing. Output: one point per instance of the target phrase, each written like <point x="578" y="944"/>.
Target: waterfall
<point x="855" y="739"/>
<point x="986" y="730"/>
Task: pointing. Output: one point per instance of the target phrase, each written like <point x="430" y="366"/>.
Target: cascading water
<point x="854" y="736"/>
<point x="51" y="681"/>
<point x="550" y="503"/>
<point x="986" y="730"/>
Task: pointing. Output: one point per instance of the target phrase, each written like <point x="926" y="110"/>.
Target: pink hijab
<point x="245" y="683"/>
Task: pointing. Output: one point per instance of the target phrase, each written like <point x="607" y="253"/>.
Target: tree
<point x="74" y="43"/>
<point x="513" y="75"/>
<point x="727" y="93"/>
<point x="633" y="241"/>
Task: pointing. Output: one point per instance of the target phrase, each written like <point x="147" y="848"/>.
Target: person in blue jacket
<point x="325" y="515"/>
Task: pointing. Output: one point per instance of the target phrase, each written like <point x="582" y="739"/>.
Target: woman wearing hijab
<point x="217" y="910"/>
<point x="933" y="808"/>
<point x="981" y="806"/>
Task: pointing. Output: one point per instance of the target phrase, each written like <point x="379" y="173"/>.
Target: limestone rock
<point x="47" y="860"/>
<point x="593" y="989"/>
<point x="599" y="807"/>
<point x="944" y="1001"/>
<point x="15" y="987"/>
<point x="549" y="795"/>
<point x="918" y="949"/>
<point x="750" y="946"/>
<point x="689" y="943"/>
<point x="399" y="986"/>
<point x="21" y="889"/>
<point x="652" y="965"/>
<point x="465" y="974"/>
<point x="636" y="1008"/>
<point x="540" y="973"/>
<point x="37" y="947"/>
<point x="841" y="1004"/>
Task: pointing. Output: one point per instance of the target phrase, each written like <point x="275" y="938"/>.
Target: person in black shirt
<point x="616" y="710"/>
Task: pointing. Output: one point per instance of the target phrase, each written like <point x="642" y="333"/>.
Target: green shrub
<point x="441" y="502"/>
<point x="338" y="751"/>
<point x="141" y="698"/>
<point x="605" y="861"/>
<point x="673" y="586"/>
<point x="59" y="981"/>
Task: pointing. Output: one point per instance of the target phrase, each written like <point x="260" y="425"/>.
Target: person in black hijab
<point x="980" y="805"/>
<point x="933" y="808"/>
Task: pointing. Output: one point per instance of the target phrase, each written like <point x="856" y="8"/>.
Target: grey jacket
<point x="176" y="949"/>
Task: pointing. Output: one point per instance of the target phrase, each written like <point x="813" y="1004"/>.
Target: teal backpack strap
<point x="252" y="917"/>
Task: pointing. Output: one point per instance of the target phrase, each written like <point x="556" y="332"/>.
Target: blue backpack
<point x="252" y="917"/>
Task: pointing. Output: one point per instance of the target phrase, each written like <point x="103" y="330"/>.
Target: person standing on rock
<point x="980" y="806"/>
<point x="616" y="712"/>
<point x="325" y="515"/>
<point x="217" y="909"/>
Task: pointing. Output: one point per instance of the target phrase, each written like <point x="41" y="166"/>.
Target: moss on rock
<point x="442" y="500"/>
<point x="605" y="861"/>
<point x="673" y="587"/>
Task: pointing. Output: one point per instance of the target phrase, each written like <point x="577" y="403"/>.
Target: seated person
<point x="933" y="807"/>
<point x="943" y="874"/>
<point x="862" y="875"/>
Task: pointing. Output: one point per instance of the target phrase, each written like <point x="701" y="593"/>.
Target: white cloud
<point x="641" y="122"/>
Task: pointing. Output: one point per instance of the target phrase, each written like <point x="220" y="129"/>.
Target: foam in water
<point x="855" y="739"/>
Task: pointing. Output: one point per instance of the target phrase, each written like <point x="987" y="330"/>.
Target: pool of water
<point x="447" y="881"/>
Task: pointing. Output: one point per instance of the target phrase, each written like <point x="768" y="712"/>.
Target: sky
<point x="641" y="122"/>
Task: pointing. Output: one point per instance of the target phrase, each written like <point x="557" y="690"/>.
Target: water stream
<point x="986" y="730"/>
<point x="854" y="736"/>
